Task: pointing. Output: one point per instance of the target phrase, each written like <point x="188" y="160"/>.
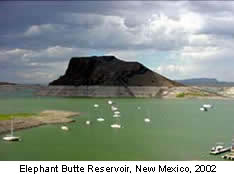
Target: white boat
<point x="219" y="148"/>
<point x="11" y="137"/>
<point x="87" y="122"/>
<point x="116" y="112"/>
<point x="110" y="102"/>
<point x="203" y="109"/>
<point x="96" y="105"/>
<point x="65" y="128"/>
<point x="116" y="116"/>
<point x="147" y="120"/>
<point x="208" y="106"/>
<point x="114" y="108"/>
<point x="116" y="126"/>
<point x="100" y="119"/>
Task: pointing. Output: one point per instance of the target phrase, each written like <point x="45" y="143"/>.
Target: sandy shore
<point x="44" y="117"/>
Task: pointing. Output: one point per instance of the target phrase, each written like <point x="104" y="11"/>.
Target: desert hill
<point x="110" y="71"/>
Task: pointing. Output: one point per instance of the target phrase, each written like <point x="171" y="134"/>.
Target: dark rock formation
<point x="110" y="71"/>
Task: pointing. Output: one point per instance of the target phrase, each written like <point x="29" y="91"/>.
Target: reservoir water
<point x="178" y="129"/>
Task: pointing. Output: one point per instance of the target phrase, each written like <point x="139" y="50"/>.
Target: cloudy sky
<point x="182" y="39"/>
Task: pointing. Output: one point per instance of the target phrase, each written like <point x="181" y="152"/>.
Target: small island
<point x="27" y="120"/>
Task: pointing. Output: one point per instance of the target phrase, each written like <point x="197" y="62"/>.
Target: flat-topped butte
<point x="110" y="71"/>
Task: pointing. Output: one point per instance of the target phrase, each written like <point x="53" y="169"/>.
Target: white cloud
<point x="196" y="38"/>
<point x="38" y="29"/>
<point x="16" y="54"/>
<point x="200" y="53"/>
<point x="37" y="75"/>
<point x="55" y="54"/>
<point x="42" y="65"/>
<point x="159" y="31"/>
<point x="175" y="71"/>
<point x="128" y="55"/>
<point x="196" y="62"/>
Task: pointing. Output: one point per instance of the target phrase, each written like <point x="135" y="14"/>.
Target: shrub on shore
<point x="9" y="116"/>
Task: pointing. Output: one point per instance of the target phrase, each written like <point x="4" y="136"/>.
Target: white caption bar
<point x="118" y="167"/>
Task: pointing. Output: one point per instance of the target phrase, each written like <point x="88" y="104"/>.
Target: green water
<point x="177" y="131"/>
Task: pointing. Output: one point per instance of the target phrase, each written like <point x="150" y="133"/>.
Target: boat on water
<point x="116" y="115"/>
<point x="87" y="122"/>
<point x="147" y="120"/>
<point x="219" y="148"/>
<point x="208" y="106"/>
<point x="96" y="105"/>
<point x="65" y="128"/>
<point x="116" y="112"/>
<point x="11" y="137"/>
<point x="100" y="119"/>
<point x="203" y="109"/>
<point x="113" y="108"/>
<point x="116" y="126"/>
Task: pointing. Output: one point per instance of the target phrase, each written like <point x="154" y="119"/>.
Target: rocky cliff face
<point x="110" y="71"/>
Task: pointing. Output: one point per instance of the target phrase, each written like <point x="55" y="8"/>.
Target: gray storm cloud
<point x="37" y="39"/>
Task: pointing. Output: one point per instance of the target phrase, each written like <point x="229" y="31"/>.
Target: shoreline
<point x="186" y="92"/>
<point x="161" y="92"/>
<point x="43" y="118"/>
<point x="198" y="98"/>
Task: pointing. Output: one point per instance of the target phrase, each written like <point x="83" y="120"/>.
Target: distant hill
<point x="110" y="71"/>
<point x="205" y="82"/>
<point x="7" y="83"/>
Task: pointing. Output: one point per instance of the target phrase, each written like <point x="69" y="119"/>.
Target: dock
<point x="216" y="152"/>
<point x="229" y="156"/>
